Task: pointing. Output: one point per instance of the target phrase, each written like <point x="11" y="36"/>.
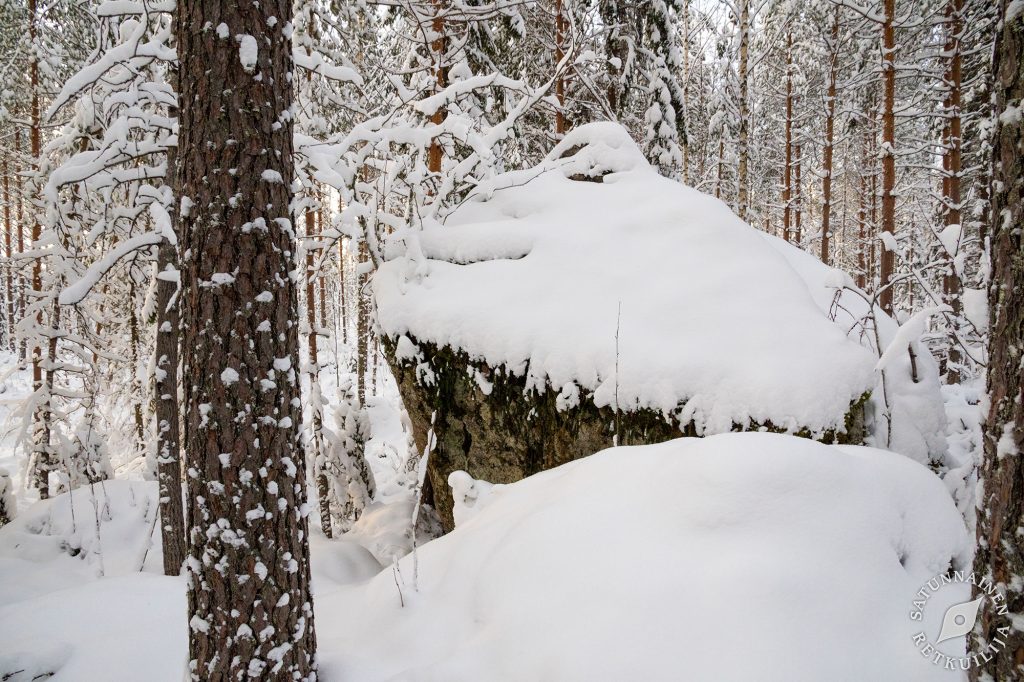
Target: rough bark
<point x="249" y="602"/>
<point x="512" y="432"/>
<point x="1000" y="553"/>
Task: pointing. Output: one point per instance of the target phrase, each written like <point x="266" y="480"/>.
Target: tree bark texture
<point x="1000" y="552"/>
<point x="250" y="607"/>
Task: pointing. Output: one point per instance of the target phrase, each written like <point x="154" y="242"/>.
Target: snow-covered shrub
<point x="351" y="483"/>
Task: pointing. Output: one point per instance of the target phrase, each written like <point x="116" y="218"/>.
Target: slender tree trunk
<point x="951" y="285"/>
<point x="685" y="142"/>
<point x="1000" y="553"/>
<point x="362" y="326"/>
<point x="798" y="199"/>
<point x="830" y="118"/>
<point x="888" y="264"/>
<point x="249" y="600"/>
<point x="8" y="229"/>
<point x="787" y="174"/>
<point x="20" y="223"/>
<point x="136" y="341"/>
<point x="41" y="418"/>
<point x="316" y="418"/>
<point x="721" y="161"/>
<point x="560" y="81"/>
<point x="165" y="385"/>
<point x="742" y="199"/>
<point x="438" y="46"/>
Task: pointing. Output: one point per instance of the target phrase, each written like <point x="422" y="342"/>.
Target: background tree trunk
<point x="888" y="264"/>
<point x="250" y="607"/>
<point x="951" y="285"/>
<point x="742" y="194"/>
<point x="830" y="121"/>
<point x="165" y="387"/>
<point x="1000" y="554"/>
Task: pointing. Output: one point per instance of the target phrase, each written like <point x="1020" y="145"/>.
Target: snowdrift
<point x="737" y="557"/>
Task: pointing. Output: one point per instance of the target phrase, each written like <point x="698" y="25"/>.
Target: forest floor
<point x="750" y="543"/>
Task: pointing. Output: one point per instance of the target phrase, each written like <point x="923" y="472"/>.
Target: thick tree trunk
<point x="1000" y="554"/>
<point x="250" y="606"/>
<point x="830" y="118"/>
<point x="888" y="264"/>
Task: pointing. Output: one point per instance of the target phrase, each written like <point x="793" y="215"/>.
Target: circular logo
<point x="958" y="620"/>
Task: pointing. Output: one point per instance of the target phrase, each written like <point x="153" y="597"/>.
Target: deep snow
<point x="735" y="557"/>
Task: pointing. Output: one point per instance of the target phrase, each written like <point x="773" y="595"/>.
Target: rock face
<point x="491" y="425"/>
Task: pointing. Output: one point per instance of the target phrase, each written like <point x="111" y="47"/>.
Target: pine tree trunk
<point x="165" y="387"/>
<point x="742" y="199"/>
<point x="830" y="118"/>
<point x="787" y="175"/>
<point x="20" y="222"/>
<point x="316" y="418"/>
<point x="41" y="418"/>
<point x="8" y="229"/>
<point x="685" y="142"/>
<point x="249" y="600"/>
<point x="798" y="196"/>
<point x="438" y="47"/>
<point x="1000" y="553"/>
<point x="362" y="325"/>
<point x="951" y="285"/>
<point x="560" y="81"/>
<point x="888" y="264"/>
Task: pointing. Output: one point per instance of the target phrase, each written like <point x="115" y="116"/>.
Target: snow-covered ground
<point x="735" y="557"/>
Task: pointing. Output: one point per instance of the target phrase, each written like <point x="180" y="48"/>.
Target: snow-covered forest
<point x="512" y="340"/>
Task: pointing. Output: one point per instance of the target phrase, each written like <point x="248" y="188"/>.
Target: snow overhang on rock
<point x="642" y="292"/>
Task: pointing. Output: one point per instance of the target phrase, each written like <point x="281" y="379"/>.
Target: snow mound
<point x="715" y="327"/>
<point x="744" y="556"/>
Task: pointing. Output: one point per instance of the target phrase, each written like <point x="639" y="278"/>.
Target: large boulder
<point x="590" y="300"/>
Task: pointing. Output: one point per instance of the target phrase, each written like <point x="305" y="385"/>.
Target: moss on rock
<point x="492" y="424"/>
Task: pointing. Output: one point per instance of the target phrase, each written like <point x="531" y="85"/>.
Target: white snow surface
<point x="915" y="408"/>
<point x="715" y="325"/>
<point x="742" y="556"/>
